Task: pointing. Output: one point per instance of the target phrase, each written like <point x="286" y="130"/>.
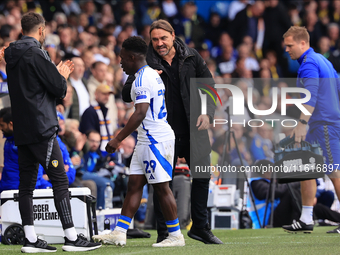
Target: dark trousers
<point x="199" y="189"/>
<point x="287" y="210"/>
<point x="48" y="154"/>
<point x="323" y="212"/>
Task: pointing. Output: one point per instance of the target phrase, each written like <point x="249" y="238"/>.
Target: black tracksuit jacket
<point x="34" y="84"/>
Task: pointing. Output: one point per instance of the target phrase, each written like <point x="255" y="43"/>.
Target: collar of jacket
<point x="181" y="49"/>
<point x="31" y="39"/>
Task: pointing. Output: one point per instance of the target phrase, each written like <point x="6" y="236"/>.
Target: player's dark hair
<point x="6" y="114"/>
<point x="31" y="21"/>
<point x="135" y="44"/>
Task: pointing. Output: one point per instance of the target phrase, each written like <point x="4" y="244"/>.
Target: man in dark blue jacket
<point x="317" y="75"/>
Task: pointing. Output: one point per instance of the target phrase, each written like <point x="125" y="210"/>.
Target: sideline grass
<point x="247" y="241"/>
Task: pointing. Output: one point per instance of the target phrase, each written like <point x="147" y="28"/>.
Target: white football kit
<point x="154" y="152"/>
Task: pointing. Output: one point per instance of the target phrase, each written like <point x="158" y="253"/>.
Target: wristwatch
<point x="303" y="121"/>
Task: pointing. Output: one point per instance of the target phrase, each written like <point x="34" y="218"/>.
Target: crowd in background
<point x="240" y="41"/>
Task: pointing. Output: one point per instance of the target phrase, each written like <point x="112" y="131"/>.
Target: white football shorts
<point x="155" y="161"/>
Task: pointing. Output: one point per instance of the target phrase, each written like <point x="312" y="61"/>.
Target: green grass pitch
<point x="248" y="241"/>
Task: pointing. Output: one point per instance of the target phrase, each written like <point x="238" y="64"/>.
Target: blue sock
<point x="123" y="223"/>
<point x="173" y="227"/>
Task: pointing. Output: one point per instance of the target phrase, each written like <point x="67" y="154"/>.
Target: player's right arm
<point x="135" y="120"/>
<point x="127" y="89"/>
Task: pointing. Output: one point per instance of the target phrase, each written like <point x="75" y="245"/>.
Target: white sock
<point x="123" y="230"/>
<point x="71" y="234"/>
<point x="307" y="214"/>
<point x="30" y="233"/>
<point x="175" y="233"/>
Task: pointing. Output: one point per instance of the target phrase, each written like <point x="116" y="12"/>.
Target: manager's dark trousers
<point x="199" y="190"/>
<point x="48" y="154"/>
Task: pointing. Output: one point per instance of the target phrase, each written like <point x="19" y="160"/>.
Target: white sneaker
<point x="171" y="241"/>
<point x="115" y="237"/>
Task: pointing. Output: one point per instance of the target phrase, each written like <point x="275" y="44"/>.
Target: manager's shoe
<point x="298" y="227"/>
<point x="38" y="246"/>
<point x="171" y="241"/>
<point x="80" y="244"/>
<point x="204" y="235"/>
<point x="115" y="237"/>
<point x="162" y="237"/>
<point x="334" y="231"/>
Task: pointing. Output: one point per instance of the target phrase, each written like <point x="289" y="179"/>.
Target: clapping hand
<point x="2" y="53"/>
<point x="65" y="69"/>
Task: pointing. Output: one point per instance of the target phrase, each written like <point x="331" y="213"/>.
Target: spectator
<point x="246" y="25"/>
<point x="285" y="207"/>
<point x="274" y="66"/>
<point x="261" y="146"/>
<point x="224" y="41"/>
<point x="333" y="57"/>
<point x="189" y="25"/>
<point x="333" y="34"/>
<point x="145" y="33"/>
<point x="276" y="21"/>
<point x="99" y="70"/>
<point x="314" y="28"/>
<point x="88" y="58"/>
<point x="152" y="13"/>
<point x="93" y="161"/>
<point x="81" y="97"/>
<point x="90" y="9"/>
<point x="169" y="8"/>
<point x="335" y="15"/>
<point x="70" y="6"/>
<point x="226" y="62"/>
<point x="235" y="7"/>
<point x="250" y="62"/>
<point x="49" y="8"/>
<point x="214" y="28"/>
<point x="121" y="112"/>
<point x="294" y="16"/>
<point x="65" y="35"/>
<point x="67" y="102"/>
<point x="323" y="196"/>
<point x="324" y="13"/>
<point x="96" y="116"/>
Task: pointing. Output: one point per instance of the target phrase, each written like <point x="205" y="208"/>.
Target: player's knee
<point x="162" y="188"/>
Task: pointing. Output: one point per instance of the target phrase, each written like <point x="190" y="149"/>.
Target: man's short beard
<point x="163" y="55"/>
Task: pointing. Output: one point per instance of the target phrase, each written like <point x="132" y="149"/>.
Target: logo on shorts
<point x="151" y="177"/>
<point x="55" y="163"/>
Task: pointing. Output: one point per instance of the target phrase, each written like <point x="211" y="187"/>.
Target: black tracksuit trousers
<point x="48" y="154"/>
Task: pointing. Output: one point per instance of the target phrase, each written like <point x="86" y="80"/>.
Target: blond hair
<point x="298" y="33"/>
